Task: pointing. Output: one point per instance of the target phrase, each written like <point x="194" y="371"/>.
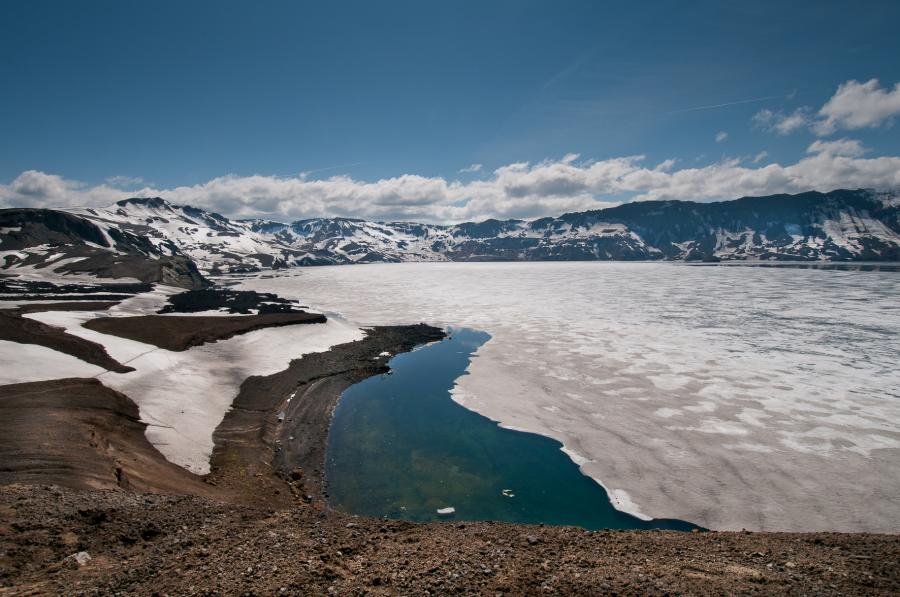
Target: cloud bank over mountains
<point x="527" y="190"/>
<point x="519" y="190"/>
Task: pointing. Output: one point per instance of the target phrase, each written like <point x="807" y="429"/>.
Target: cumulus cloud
<point x="760" y="157"/>
<point x="853" y="106"/>
<point x="124" y="181"/>
<point x="33" y="188"/>
<point x="842" y="147"/>
<point x="781" y="123"/>
<point x="858" y="105"/>
<point x="518" y="190"/>
<point x="721" y="136"/>
<point x="470" y="169"/>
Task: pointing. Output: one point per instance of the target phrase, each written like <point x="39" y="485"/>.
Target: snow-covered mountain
<point x="837" y="226"/>
<point x="52" y="245"/>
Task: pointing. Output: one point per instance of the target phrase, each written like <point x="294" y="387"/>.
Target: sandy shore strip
<point x="287" y="415"/>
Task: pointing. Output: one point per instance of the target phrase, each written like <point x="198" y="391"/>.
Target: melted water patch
<point x="399" y="446"/>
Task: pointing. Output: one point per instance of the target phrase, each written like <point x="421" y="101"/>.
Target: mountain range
<point x="155" y="241"/>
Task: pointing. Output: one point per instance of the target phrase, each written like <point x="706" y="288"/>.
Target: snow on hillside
<point x="836" y="226"/>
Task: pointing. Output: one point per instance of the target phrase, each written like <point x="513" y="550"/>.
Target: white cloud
<point x="124" y="181"/>
<point x="721" y="136"/>
<point x="858" y="105"/>
<point x="760" y="157"/>
<point x="798" y="119"/>
<point x="781" y="123"/>
<point x="666" y="165"/>
<point x="520" y="190"/>
<point x="33" y="188"/>
<point x="841" y="147"/>
<point x="470" y="169"/>
<point x="853" y="106"/>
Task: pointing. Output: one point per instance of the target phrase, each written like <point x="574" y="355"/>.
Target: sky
<point x="443" y="111"/>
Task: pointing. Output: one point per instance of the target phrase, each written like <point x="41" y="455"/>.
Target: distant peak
<point x="155" y="202"/>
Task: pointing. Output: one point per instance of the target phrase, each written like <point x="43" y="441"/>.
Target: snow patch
<point x="31" y="362"/>
<point x="183" y="396"/>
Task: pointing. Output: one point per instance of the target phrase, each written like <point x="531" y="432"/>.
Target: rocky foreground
<point x="63" y="541"/>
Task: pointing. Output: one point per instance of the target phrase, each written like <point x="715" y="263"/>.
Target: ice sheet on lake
<point x="733" y="397"/>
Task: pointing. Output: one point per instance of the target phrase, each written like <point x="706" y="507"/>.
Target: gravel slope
<point x="181" y="545"/>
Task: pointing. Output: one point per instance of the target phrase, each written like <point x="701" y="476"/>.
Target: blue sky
<point x="391" y="100"/>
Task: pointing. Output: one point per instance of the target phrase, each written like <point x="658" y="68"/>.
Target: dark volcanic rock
<point x="47" y="226"/>
<point x="15" y="328"/>
<point x="52" y="238"/>
<point x="234" y="301"/>
<point x="36" y="289"/>
<point x="170" y="270"/>
<point x="182" y="332"/>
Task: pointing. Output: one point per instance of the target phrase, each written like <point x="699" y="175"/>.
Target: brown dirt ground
<point x="15" y="328"/>
<point x="150" y="544"/>
<point x="79" y="433"/>
<point x="182" y="332"/>
<point x="66" y="306"/>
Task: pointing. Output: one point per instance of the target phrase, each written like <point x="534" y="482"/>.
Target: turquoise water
<point x="400" y="447"/>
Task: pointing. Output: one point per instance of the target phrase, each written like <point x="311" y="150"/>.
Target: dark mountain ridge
<point x="842" y="225"/>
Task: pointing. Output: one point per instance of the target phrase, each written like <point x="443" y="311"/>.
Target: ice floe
<point x="733" y="397"/>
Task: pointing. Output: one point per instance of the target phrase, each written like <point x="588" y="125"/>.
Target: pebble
<point x="81" y="558"/>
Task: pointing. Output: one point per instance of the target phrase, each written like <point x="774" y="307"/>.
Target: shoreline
<point x="306" y="393"/>
<point x="619" y="499"/>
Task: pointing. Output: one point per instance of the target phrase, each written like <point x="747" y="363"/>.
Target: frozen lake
<point x="730" y="396"/>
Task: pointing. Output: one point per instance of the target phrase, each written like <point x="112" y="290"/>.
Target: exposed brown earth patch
<point x="15" y="328"/>
<point x="143" y="544"/>
<point x="79" y="433"/>
<point x="182" y="332"/>
<point x="92" y="305"/>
